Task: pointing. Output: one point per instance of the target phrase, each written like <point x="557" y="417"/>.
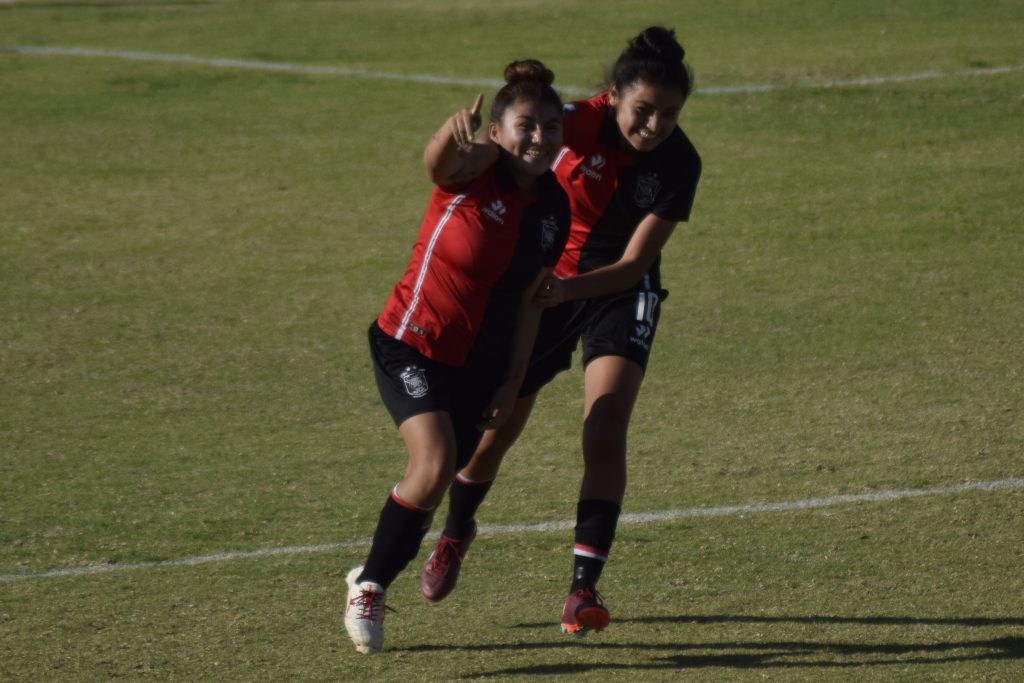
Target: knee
<point x="493" y="446"/>
<point x="439" y="478"/>
<point x="432" y="478"/>
<point x="605" y="425"/>
<point x="489" y="453"/>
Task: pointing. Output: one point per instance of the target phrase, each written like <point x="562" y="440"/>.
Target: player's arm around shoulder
<point x="452" y="156"/>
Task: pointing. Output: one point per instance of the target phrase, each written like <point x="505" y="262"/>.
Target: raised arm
<point x="451" y="155"/>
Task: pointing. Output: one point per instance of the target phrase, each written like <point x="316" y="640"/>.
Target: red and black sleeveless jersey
<point x="611" y="190"/>
<point x="480" y="245"/>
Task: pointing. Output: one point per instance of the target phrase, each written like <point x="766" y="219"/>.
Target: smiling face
<point x="646" y="113"/>
<point x="530" y="132"/>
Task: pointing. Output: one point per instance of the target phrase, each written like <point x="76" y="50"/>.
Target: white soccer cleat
<point x="364" y="613"/>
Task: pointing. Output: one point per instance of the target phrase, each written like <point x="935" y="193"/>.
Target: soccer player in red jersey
<point x="631" y="175"/>
<point x="451" y="347"/>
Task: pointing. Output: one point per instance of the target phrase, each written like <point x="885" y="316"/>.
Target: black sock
<point x="400" y="531"/>
<point x="595" y="530"/>
<point x="464" y="497"/>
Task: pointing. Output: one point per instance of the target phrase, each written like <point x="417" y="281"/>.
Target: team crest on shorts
<point x="647" y="187"/>
<point x="415" y="380"/>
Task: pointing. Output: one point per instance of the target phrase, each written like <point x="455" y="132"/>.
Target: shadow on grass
<point x="785" y="655"/>
<point x="821" y="619"/>
<point x="869" y="621"/>
<point x="779" y="654"/>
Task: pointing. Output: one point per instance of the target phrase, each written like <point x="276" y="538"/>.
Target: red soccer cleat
<point x="441" y="571"/>
<point x="584" y="611"/>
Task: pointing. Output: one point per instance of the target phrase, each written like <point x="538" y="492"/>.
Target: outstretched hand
<point x="465" y="122"/>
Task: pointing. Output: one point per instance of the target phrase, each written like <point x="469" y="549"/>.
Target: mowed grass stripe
<point x="228" y="63"/>
<point x="629" y="518"/>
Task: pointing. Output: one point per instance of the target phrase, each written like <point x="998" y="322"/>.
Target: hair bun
<point x="528" y="70"/>
<point x="654" y="56"/>
<point x="659" y="42"/>
<point x="528" y="80"/>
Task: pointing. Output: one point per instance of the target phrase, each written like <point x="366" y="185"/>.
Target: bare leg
<point x="430" y="441"/>
<point x="486" y="460"/>
<point x="611" y="387"/>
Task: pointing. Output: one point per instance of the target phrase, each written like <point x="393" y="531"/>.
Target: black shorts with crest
<point x="411" y="384"/>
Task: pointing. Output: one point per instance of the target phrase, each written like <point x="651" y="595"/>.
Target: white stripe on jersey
<point x="561" y="155"/>
<point x="425" y="265"/>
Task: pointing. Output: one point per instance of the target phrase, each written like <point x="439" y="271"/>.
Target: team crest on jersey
<point x="496" y="210"/>
<point x="647" y="187"/>
<point x="548" y="230"/>
<point x="415" y="380"/>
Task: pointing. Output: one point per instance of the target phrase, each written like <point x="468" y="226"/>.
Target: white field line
<point x="479" y="82"/>
<point x="511" y="529"/>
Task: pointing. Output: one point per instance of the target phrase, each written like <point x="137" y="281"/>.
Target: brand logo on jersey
<point x="647" y="187"/>
<point x="641" y="335"/>
<point x="596" y="162"/>
<point x="591" y="173"/>
<point x="415" y="380"/>
<point x="496" y="210"/>
<point x="548" y="230"/>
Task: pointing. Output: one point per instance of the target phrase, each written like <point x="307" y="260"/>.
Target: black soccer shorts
<point x="412" y="384"/>
<point x="621" y="324"/>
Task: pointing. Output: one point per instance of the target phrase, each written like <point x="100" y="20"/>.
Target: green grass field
<point x="190" y="255"/>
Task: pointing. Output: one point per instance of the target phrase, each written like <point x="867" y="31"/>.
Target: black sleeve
<point x="676" y="201"/>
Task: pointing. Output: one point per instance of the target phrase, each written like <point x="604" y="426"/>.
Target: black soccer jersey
<point x="611" y="190"/>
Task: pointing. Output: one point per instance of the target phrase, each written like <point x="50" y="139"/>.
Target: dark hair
<point x="654" y="56"/>
<point x="527" y="79"/>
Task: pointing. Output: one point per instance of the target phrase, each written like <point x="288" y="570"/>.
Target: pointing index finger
<point x="475" y="111"/>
